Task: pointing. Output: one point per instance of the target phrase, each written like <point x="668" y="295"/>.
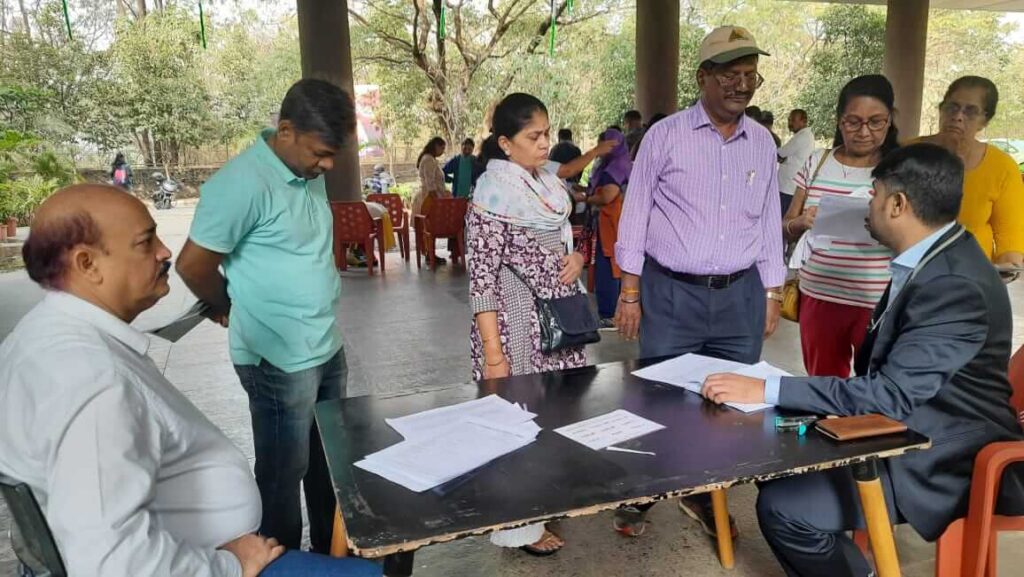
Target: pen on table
<point x="633" y="451"/>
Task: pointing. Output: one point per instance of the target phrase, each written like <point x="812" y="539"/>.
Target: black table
<point x="704" y="448"/>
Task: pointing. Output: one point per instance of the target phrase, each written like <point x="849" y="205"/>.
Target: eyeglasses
<point x="970" y="111"/>
<point x="877" y="124"/>
<point x="729" y="80"/>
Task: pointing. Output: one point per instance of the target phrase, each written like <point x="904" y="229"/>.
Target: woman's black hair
<point x="873" y="86"/>
<point x="432" y="145"/>
<point x="119" y="159"/>
<point x="991" y="98"/>
<point x="511" y="115"/>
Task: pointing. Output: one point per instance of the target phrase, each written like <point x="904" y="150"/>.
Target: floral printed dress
<point x="494" y="250"/>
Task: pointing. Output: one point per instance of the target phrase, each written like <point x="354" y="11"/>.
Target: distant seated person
<point x="935" y="358"/>
<point x="133" y="480"/>
<point x="463" y="171"/>
<point x="380" y="182"/>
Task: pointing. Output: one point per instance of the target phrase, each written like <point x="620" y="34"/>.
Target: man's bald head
<point x="72" y="216"/>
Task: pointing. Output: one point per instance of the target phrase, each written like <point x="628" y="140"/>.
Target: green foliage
<point x="30" y="170"/>
<point x="21" y="196"/>
<point x="851" y="43"/>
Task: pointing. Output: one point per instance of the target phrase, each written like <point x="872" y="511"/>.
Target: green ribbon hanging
<point x="67" y="19"/>
<point x="442" y="28"/>
<point x="202" y="25"/>
<point x="570" y="4"/>
<point x="554" y="29"/>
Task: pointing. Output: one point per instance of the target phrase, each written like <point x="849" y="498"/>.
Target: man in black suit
<point x="935" y="358"/>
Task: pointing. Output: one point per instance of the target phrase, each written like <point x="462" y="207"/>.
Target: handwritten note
<point x="609" y="429"/>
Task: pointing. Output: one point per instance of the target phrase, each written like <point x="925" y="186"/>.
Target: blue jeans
<point x="288" y="449"/>
<point x="301" y="564"/>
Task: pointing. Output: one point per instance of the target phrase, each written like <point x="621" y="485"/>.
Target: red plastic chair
<point x="968" y="546"/>
<point x="446" y="218"/>
<point x="353" y="225"/>
<point x="400" y="218"/>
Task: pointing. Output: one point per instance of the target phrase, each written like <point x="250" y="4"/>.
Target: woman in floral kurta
<point x="494" y="250"/>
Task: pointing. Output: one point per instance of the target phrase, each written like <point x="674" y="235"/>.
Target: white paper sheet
<point x="689" y="371"/>
<point x="609" y="429"/>
<point x="180" y="326"/>
<point x="840" y="217"/>
<point x="491" y="408"/>
<point x="453" y="451"/>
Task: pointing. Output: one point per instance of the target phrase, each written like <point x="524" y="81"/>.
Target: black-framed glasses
<point x="970" y="112"/>
<point x="853" y="124"/>
<point x="734" y="79"/>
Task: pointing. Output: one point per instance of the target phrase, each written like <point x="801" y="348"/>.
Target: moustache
<point x="165" y="267"/>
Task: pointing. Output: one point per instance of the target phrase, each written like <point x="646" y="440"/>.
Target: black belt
<point x="711" y="281"/>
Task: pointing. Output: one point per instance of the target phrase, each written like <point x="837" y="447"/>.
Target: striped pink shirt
<point x="700" y="204"/>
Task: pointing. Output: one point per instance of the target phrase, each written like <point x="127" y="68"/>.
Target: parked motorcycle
<point x="166" y="189"/>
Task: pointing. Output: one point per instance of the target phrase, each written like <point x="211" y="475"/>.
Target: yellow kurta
<point x="993" y="204"/>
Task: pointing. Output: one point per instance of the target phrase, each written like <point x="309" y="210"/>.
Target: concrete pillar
<point x="906" y="39"/>
<point x="324" y="43"/>
<point x="657" y="56"/>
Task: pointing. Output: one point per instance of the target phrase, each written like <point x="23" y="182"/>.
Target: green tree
<point x="851" y="42"/>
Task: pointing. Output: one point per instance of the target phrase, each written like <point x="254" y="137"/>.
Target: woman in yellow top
<point x="993" y="204"/>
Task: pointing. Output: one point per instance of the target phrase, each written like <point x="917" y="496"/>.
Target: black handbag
<point x="565" y="322"/>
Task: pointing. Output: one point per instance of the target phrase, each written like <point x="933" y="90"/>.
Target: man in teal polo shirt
<point x="265" y="218"/>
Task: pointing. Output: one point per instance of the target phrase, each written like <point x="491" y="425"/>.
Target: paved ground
<point x="408" y="329"/>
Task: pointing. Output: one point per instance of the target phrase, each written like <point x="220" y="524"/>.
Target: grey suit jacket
<point x="935" y="359"/>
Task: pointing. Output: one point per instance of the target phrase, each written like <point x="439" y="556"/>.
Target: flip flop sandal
<point x="538" y="552"/>
<point x="630" y="521"/>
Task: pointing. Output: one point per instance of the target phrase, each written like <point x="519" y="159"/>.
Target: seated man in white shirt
<point x="131" y="477"/>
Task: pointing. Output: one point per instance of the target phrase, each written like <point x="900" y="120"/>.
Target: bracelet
<point x="632" y="302"/>
<point x="495" y="364"/>
<point x="786" y="228"/>
<point x="631" y="291"/>
<point x="494" y="338"/>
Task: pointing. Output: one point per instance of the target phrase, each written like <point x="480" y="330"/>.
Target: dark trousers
<point x="606" y="286"/>
<point x="680" y="318"/>
<point x="787" y="199"/>
<point x="805" y="519"/>
<point x="288" y="449"/>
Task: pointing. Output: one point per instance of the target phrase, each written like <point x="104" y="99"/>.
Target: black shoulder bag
<point x="565" y="322"/>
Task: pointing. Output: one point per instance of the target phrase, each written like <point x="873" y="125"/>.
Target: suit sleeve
<point x="944" y="326"/>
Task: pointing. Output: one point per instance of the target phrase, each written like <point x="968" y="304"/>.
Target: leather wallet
<point x="859" y="427"/>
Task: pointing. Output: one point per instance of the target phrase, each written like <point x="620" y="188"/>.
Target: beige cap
<point x="727" y="43"/>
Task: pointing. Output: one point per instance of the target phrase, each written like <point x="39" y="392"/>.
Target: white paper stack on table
<point x="689" y="372"/>
<point x="444" y="443"/>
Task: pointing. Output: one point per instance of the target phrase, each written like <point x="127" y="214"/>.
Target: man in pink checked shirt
<point x="700" y="235"/>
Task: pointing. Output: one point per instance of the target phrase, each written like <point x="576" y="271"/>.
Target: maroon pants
<point x="830" y="335"/>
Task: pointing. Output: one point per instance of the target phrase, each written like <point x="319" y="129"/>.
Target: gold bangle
<point x="494" y="364"/>
<point x="786" y="227"/>
<point x="494" y="338"/>
<point x="632" y="302"/>
<point x="631" y="291"/>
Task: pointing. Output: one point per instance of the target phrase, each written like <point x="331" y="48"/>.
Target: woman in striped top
<point x="842" y="281"/>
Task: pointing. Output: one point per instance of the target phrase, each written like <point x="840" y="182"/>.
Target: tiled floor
<point x="408" y="329"/>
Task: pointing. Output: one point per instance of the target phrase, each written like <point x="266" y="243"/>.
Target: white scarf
<point x="508" y="193"/>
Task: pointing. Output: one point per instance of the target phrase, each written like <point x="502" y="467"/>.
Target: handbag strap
<point x="814" y="176"/>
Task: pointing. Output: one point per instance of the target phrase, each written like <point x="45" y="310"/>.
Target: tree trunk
<point x="120" y="8"/>
<point x="140" y="9"/>
<point x="24" y="19"/>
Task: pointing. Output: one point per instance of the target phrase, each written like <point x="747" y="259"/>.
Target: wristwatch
<point x="774" y="295"/>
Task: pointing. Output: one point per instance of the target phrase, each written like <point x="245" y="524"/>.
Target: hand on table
<point x="729" y="388"/>
<point x="254" y="552"/>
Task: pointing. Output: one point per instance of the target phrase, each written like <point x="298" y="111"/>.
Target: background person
<point x="265" y="218"/>
<point x="993" y="206"/>
<point x="519" y="245"/>
<point x="843" y="279"/>
<point x="463" y="170"/>
<point x="794" y="154"/>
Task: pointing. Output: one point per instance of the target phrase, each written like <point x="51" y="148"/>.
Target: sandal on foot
<point x="630" y="521"/>
<point x="537" y="549"/>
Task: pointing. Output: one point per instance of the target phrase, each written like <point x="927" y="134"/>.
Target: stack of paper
<point x="445" y="443"/>
<point x="689" y="372"/>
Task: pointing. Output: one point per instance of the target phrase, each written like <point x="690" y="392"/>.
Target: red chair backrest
<point x="1016" y="374"/>
<point x="352" y="221"/>
<point x="447" y="216"/>
<point x="393" y="202"/>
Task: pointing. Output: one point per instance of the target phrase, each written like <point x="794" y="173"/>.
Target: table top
<point x="702" y="448"/>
